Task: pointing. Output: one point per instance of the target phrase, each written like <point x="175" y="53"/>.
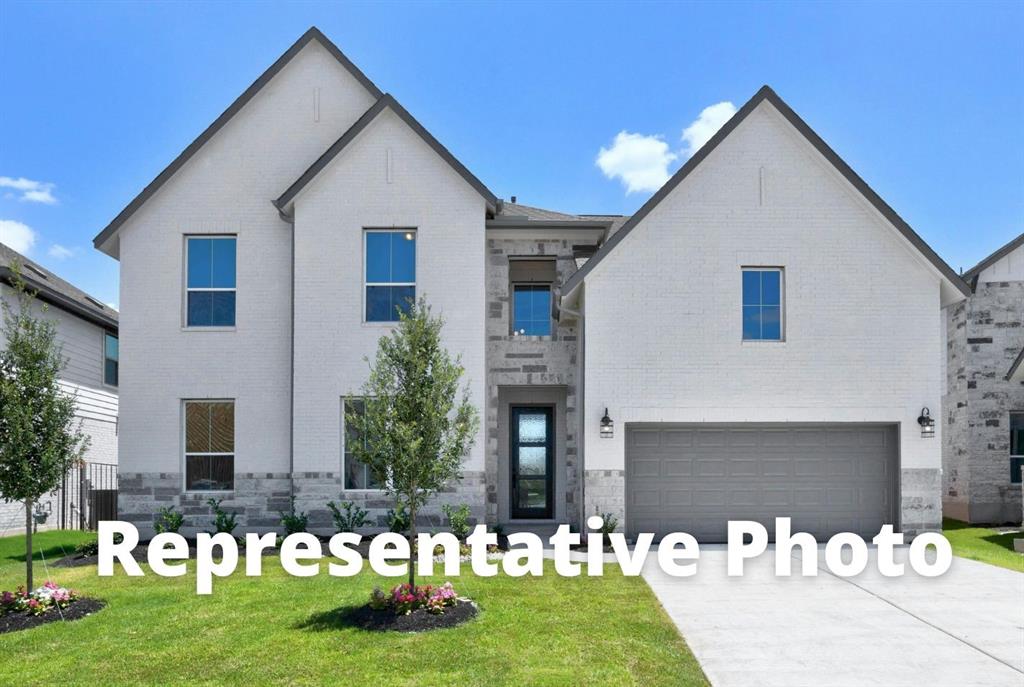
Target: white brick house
<point x="259" y="269"/>
<point x="87" y="332"/>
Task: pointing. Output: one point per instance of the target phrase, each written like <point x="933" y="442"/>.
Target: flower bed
<point x="20" y="609"/>
<point x="414" y="609"/>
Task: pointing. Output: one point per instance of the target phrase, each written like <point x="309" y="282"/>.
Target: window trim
<point x="103" y="353"/>
<point x="1012" y="455"/>
<point x="512" y="308"/>
<point x="366" y="284"/>
<point x="184" y="446"/>
<point x="344" y="439"/>
<point x="186" y="290"/>
<point x="782" y="302"/>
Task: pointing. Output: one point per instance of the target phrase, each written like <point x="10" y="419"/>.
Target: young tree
<point x="39" y="439"/>
<point x="416" y="426"/>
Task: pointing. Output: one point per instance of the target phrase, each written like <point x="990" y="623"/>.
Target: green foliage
<point x="40" y="439"/>
<point x="498" y="529"/>
<point x="458" y="520"/>
<point x="351" y="519"/>
<point x="417" y="424"/>
<point x="168" y="520"/>
<point x="222" y="520"/>
<point x="610" y="522"/>
<point x="294" y="522"/>
<point x="398" y="519"/>
<point x="91" y="547"/>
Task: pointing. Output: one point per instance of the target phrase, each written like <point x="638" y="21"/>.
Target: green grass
<point x="983" y="544"/>
<point x="272" y="630"/>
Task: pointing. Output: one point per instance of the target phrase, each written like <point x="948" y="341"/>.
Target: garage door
<point x="695" y="478"/>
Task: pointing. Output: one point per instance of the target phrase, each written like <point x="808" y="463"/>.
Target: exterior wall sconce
<point x="927" y="424"/>
<point x="607" y="426"/>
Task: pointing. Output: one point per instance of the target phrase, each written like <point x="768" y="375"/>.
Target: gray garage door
<point x="695" y="478"/>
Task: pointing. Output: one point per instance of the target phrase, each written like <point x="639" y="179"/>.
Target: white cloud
<point x="706" y="125"/>
<point x="59" y="252"/>
<point x="31" y="191"/>
<point x="640" y="162"/>
<point x="18" y="236"/>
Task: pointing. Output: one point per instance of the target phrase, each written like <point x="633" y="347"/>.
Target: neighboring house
<point x="758" y="340"/>
<point x="983" y="446"/>
<point x="87" y="333"/>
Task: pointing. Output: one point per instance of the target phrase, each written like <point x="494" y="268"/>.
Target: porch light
<point x="607" y="426"/>
<point x="927" y="424"/>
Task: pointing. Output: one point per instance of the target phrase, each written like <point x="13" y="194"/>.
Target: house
<point x="759" y="339"/>
<point x="983" y="445"/>
<point x="87" y="333"/>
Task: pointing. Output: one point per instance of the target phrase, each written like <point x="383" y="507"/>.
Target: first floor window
<point x="357" y="474"/>
<point x="1016" y="446"/>
<point x="209" y="445"/>
<point x="110" y="359"/>
<point x="210" y="281"/>
<point x="762" y="304"/>
<point x="390" y="269"/>
<point x="531" y="309"/>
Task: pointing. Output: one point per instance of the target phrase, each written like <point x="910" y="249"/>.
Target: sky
<point x="569" y="106"/>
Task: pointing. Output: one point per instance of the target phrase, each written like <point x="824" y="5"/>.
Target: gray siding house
<point x="87" y="330"/>
<point x="983" y="445"/>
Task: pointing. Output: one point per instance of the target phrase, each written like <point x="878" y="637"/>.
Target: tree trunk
<point x="28" y="543"/>
<point x="412" y="541"/>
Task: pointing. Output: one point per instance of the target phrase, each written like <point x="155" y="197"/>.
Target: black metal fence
<point x="87" y="495"/>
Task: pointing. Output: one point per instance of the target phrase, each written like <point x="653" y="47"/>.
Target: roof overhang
<point x="522" y="228"/>
<point x="971" y="275"/>
<point x="47" y="294"/>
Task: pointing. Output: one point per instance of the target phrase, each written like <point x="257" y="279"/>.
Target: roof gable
<point x="971" y="275"/>
<point x="385" y="102"/>
<point x="110" y="231"/>
<point x="767" y="94"/>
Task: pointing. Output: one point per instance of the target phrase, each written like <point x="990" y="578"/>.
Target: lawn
<point x="278" y="629"/>
<point x="983" y="544"/>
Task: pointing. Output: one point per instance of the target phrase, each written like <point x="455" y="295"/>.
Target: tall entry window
<point x="390" y="273"/>
<point x="531" y="457"/>
<point x="1016" y="446"/>
<point x="210" y="281"/>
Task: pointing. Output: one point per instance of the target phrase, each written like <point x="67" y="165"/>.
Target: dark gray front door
<point x="695" y="478"/>
<point x="531" y="438"/>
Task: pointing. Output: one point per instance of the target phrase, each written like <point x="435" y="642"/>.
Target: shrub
<point x="222" y="520"/>
<point x="91" y="547"/>
<point x="351" y="519"/>
<point x="37" y="602"/>
<point x="294" y="522"/>
<point x="458" y="520"/>
<point x="610" y="522"/>
<point x="406" y="598"/>
<point x="498" y="529"/>
<point x="168" y="520"/>
<point x="398" y="519"/>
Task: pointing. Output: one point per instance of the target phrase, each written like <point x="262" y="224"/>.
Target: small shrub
<point x="38" y="601"/>
<point x="294" y="522"/>
<point x="222" y="520"/>
<point x="398" y="519"/>
<point x="458" y="520"/>
<point x="610" y="522"/>
<point x="406" y="598"/>
<point x="351" y="519"/>
<point x="498" y="529"/>
<point x="168" y="520"/>
<point x="91" y="547"/>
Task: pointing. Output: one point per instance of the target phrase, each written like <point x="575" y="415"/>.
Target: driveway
<point x="964" y="628"/>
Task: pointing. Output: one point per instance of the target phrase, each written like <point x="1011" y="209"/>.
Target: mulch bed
<point x="12" y="622"/>
<point x="417" y="621"/>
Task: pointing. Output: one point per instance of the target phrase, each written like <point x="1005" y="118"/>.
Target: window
<point x="209" y="445"/>
<point x="531" y="309"/>
<point x="762" y="304"/>
<point x="210" y="282"/>
<point x="357" y="475"/>
<point x="110" y="359"/>
<point x="390" y="274"/>
<point x="1016" y="446"/>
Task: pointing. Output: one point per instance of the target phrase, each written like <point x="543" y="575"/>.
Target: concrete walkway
<point x="964" y="628"/>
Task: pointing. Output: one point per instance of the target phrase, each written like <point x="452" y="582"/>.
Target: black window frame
<point x="515" y="511"/>
<point x="1016" y="457"/>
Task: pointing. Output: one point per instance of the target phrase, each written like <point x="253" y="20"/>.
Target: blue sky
<point x="926" y="102"/>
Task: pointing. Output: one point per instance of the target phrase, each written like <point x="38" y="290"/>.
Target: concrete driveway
<point x="964" y="628"/>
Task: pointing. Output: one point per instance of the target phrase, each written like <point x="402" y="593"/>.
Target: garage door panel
<point x="828" y="479"/>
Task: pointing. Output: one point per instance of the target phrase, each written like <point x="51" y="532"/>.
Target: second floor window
<point x="210" y="281"/>
<point x="390" y="269"/>
<point x="209" y="445"/>
<point x="110" y="359"/>
<point x="531" y="309"/>
<point x="762" y="304"/>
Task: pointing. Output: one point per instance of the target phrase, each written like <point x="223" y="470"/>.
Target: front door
<point x="531" y="456"/>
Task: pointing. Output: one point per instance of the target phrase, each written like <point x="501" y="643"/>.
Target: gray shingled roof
<point x="55" y="291"/>
<point x="518" y="210"/>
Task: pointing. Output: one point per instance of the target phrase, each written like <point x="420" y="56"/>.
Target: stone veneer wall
<point x="259" y="498"/>
<point x="605" y="491"/>
<point x="529" y="360"/>
<point x="984" y="338"/>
